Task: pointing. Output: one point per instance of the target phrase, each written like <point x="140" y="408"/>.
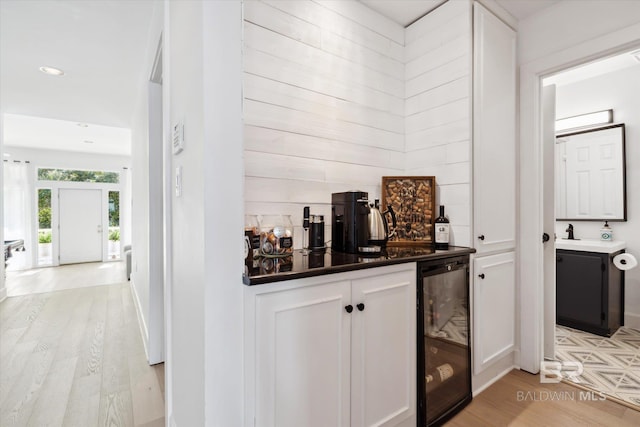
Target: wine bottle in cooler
<point x="442" y="230"/>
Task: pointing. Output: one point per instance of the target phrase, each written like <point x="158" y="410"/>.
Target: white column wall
<point x="438" y="72"/>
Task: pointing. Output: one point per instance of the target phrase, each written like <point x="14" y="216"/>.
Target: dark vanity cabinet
<point x="589" y="291"/>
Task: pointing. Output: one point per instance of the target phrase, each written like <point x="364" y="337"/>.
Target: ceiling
<point x="99" y="44"/>
<point x="404" y="12"/>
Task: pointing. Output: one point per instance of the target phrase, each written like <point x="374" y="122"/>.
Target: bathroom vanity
<point x="589" y="288"/>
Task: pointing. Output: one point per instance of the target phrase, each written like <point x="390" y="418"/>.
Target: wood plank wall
<point x="438" y="109"/>
<point x="334" y="100"/>
<point x="323" y="104"/>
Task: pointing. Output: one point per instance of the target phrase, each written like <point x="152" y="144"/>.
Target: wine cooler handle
<point x="481" y="275"/>
<point x="349" y="308"/>
<point x="360" y="306"/>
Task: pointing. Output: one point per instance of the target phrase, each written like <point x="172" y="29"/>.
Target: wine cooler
<point x="444" y="351"/>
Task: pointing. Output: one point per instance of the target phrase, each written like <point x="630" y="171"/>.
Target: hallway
<point x="71" y="276"/>
<point x="75" y="358"/>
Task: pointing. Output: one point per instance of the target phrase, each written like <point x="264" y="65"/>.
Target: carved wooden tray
<point x="413" y="199"/>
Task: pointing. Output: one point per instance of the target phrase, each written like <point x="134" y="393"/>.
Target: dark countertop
<point x="296" y="266"/>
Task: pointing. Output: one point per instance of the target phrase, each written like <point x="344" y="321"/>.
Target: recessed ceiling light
<point x="82" y="125"/>
<point x="6" y="154"/>
<point x="87" y="141"/>
<point x="52" y="71"/>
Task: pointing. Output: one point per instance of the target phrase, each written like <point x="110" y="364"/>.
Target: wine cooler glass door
<point x="445" y="381"/>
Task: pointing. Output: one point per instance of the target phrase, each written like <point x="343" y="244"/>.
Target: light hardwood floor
<point x="75" y="358"/>
<point x="519" y="399"/>
<point x="72" y="276"/>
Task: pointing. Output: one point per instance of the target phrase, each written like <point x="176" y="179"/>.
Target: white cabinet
<point x="313" y="363"/>
<point x="494" y="133"/>
<point x="494" y="188"/>
<point x="383" y="345"/>
<point x="302" y="356"/>
<point x="494" y="311"/>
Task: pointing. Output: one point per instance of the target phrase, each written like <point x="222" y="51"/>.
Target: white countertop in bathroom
<point x="587" y="245"/>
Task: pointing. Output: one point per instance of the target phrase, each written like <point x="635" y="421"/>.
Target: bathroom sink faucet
<point x="570" y="231"/>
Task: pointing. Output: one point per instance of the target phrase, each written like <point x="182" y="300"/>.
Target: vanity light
<point x="585" y="120"/>
<point x="52" y="71"/>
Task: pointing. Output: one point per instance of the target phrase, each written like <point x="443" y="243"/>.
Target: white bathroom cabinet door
<point x="383" y="358"/>
<point x="494" y="133"/>
<point x="494" y="311"/>
<point x="303" y="351"/>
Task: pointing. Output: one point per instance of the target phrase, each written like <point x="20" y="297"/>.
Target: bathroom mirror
<point x="590" y="174"/>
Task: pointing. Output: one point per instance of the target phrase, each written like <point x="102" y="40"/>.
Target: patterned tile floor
<point x="611" y="365"/>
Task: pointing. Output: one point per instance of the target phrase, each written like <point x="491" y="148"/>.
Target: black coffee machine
<point x="350" y="221"/>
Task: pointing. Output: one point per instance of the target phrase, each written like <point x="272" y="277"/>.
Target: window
<point x="45" y="174"/>
<point x="44" y="226"/>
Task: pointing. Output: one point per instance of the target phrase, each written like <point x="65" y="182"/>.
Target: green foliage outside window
<point x="114" y="209"/>
<point x="44" y="208"/>
<point x="78" y="175"/>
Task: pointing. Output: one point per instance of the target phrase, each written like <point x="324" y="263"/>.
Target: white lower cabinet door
<point x="494" y="301"/>
<point x="303" y="350"/>
<point x="383" y="359"/>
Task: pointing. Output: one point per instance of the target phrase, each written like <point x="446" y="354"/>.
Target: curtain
<point x="18" y="208"/>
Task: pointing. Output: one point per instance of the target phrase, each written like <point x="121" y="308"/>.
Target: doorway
<point x="80" y="216"/>
<point x="609" y="364"/>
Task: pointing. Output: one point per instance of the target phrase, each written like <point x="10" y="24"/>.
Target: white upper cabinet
<point x="494" y="133"/>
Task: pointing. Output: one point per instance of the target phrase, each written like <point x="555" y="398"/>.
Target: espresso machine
<point x="350" y="222"/>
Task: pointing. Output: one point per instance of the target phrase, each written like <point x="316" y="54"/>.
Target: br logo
<point x="556" y="371"/>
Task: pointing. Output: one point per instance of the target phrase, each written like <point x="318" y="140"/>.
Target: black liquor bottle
<point x="442" y="231"/>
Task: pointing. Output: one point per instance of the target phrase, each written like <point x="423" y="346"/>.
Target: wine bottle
<point x="442" y="231"/>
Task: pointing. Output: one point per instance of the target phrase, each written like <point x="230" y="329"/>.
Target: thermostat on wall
<point x="178" y="137"/>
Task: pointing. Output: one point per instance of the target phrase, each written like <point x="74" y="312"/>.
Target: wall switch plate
<point x="179" y="181"/>
<point x="178" y="137"/>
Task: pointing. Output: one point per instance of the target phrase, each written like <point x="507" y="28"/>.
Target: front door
<point x="80" y="216"/>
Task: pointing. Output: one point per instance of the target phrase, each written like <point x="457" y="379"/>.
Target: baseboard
<point x="493" y="373"/>
<point x="143" y="325"/>
<point x="632" y="320"/>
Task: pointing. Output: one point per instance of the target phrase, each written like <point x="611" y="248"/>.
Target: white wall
<point x="569" y="23"/>
<point x="618" y="90"/>
<point x="438" y="109"/>
<point x="563" y="35"/>
<point x="323" y="105"/>
<point x="206" y="296"/>
<point x="146" y="207"/>
<point x="3" y="288"/>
